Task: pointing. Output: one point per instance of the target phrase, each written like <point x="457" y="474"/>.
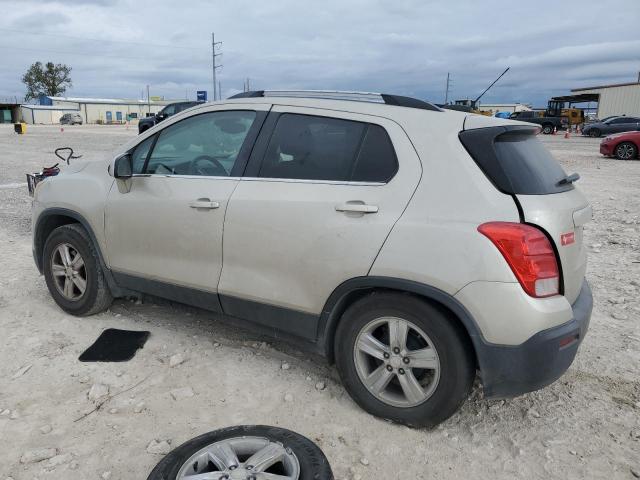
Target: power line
<point x="144" y="44"/>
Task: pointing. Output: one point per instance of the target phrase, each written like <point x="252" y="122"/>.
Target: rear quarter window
<point x="515" y="160"/>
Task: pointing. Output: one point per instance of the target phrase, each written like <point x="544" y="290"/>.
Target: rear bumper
<point x="508" y="371"/>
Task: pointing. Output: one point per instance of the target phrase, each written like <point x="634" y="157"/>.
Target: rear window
<point x="515" y="160"/>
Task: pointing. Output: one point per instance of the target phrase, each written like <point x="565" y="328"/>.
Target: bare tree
<point x="50" y="79"/>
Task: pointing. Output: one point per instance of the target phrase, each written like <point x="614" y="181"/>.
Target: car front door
<point x="622" y="124"/>
<point x="320" y="195"/>
<point x="164" y="225"/>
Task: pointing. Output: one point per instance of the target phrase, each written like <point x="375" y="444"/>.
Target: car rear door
<point x="165" y="223"/>
<point x="320" y="195"/>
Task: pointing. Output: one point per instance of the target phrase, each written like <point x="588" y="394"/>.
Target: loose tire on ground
<point x="454" y="364"/>
<point x="626" y="151"/>
<point x="96" y="295"/>
<point x="187" y="459"/>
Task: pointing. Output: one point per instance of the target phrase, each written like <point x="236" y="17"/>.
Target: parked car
<point x="71" y="119"/>
<point x="548" y="124"/>
<point x="146" y="123"/>
<point x="612" y="125"/>
<point x="624" y="146"/>
<point x="348" y="227"/>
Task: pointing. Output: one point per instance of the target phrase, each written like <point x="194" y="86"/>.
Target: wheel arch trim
<point x="39" y="240"/>
<point x="338" y="301"/>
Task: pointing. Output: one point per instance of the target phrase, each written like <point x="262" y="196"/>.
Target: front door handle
<point x="357" y="207"/>
<point x="204" y="203"/>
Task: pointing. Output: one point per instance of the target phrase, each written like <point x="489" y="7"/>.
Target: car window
<point x="621" y="120"/>
<point x="377" y="161"/>
<point x="308" y="147"/>
<point x="206" y="144"/>
<point x="169" y="110"/>
<point x="139" y="155"/>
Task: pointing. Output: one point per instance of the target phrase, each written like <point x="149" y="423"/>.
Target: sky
<point x="405" y="47"/>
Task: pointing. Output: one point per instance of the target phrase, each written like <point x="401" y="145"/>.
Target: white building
<point x="92" y="110"/>
<point x="504" y="107"/>
<point x="618" y="99"/>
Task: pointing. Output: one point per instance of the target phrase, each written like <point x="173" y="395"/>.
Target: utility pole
<point x="148" y="102"/>
<point x="215" y="67"/>
<point x="446" y="94"/>
<point x="219" y="91"/>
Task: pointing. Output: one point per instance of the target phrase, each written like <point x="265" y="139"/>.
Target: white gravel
<point x="586" y="425"/>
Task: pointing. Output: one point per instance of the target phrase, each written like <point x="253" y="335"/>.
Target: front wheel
<point x="403" y="359"/>
<point x="73" y="271"/>
<point x="594" y="132"/>
<point x="626" y="151"/>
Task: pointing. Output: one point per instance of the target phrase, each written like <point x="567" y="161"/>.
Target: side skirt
<point x="291" y="326"/>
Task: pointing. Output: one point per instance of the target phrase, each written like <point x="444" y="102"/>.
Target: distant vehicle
<point x="623" y="146"/>
<point x="612" y="125"/>
<point x="547" y="123"/>
<point x="71" y="119"/>
<point x="146" y="123"/>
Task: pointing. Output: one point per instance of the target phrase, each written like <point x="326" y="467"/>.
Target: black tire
<point x="457" y="365"/>
<point x="547" y="129"/>
<point x="97" y="296"/>
<point x="594" y="132"/>
<point x="313" y="463"/>
<point x="626" y="151"/>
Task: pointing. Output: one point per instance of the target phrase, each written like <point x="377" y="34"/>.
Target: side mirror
<point x="160" y="116"/>
<point x="123" y="168"/>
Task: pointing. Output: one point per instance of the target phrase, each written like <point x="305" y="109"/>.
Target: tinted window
<point x="313" y="148"/>
<point x="377" y="160"/>
<point x="515" y="161"/>
<point x="140" y="154"/>
<point x="169" y="110"/>
<point x="206" y="144"/>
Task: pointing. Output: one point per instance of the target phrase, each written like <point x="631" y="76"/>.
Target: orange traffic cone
<point x="566" y="134"/>
<point x="578" y="130"/>
<point x="62" y="129"/>
<point x="555" y="131"/>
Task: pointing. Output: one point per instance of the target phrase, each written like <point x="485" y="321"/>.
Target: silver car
<point x="414" y="247"/>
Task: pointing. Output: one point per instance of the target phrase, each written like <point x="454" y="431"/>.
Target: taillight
<point x="529" y="254"/>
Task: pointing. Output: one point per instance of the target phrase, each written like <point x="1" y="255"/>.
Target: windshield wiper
<point x="569" y="179"/>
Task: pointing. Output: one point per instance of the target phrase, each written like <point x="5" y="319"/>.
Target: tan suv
<point x="413" y="246"/>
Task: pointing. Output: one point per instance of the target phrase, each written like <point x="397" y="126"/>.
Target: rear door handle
<point x="204" y="203"/>
<point x="357" y="207"/>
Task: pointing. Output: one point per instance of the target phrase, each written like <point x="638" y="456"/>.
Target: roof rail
<point x="370" y="97"/>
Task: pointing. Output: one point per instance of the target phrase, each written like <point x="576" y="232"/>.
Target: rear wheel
<point x="547" y="128"/>
<point x="594" y="132"/>
<point x="403" y="359"/>
<point x="626" y="151"/>
<point x="73" y="272"/>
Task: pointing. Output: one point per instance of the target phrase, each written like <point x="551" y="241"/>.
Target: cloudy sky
<point x="117" y="47"/>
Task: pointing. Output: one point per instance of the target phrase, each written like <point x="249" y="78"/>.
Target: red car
<point x="623" y="145"/>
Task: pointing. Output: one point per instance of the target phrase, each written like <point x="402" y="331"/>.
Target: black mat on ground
<point x="115" y="345"/>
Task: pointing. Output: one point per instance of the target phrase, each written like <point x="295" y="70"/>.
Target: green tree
<point x="50" y="79"/>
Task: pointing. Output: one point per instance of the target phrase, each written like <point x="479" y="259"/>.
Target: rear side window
<point x="308" y="147"/>
<point x="377" y="161"/>
<point x="515" y="160"/>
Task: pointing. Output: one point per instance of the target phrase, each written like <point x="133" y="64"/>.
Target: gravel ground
<point x="61" y="418"/>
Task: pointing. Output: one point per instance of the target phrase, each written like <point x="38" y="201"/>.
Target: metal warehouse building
<point x="92" y="110"/>
<point x="618" y="99"/>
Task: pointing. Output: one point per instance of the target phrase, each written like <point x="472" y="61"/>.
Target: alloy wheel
<point x="241" y="458"/>
<point x="397" y="362"/>
<point x="69" y="272"/>
<point x="625" y="151"/>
